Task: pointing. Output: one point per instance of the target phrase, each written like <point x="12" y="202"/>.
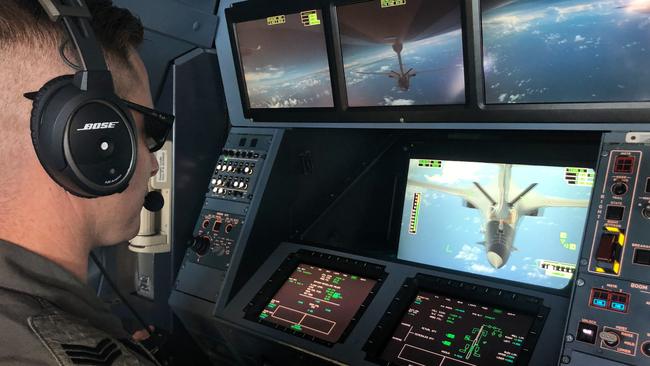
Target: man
<point x="48" y="315"/>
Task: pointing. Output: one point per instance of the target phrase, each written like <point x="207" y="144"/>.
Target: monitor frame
<point x="475" y="111"/>
<point x="247" y="11"/>
<point x="488" y="296"/>
<point x="335" y="4"/>
<point x="523" y="153"/>
<point x="368" y="270"/>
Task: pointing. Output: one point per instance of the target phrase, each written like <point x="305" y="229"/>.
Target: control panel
<point x="221" y="224"/>
<point x="237" y="169"/>
<point x="610" y="313"/>
<point x="216" y="235"/>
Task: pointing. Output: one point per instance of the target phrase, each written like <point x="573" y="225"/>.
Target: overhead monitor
<point x="521" y="223"/>
<point x="402" y="52"/>
<point x="443" y="330"/>
<point x="284" y="61"/>
<point x="566" y="51"/>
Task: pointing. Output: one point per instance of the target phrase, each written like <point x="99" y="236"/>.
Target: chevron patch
<point x="104" y="354"/>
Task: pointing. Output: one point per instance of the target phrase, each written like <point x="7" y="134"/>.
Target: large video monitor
<point x="402" y="52"/>
<point x="317" y="296"/>
<point x="566" y="51"/>
<point x="284" y="61"/>
<point x="521" y="223"/>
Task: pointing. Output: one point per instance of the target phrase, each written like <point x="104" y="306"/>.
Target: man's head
<point x="29" y="53"/>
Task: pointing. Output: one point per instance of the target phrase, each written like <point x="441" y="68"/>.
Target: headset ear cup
<point x="41" y="100"/>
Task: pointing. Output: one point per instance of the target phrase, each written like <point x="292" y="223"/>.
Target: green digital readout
<point x="391" y="3"/>
<point x="309" y="18"/>
<point x="580" y="176"/>
<point x="429" y="163"/>
<point x="278" y="19"/>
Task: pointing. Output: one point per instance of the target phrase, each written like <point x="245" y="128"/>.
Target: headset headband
<point x="76" y="18"/>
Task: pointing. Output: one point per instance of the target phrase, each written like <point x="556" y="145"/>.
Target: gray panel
<point x="158" y="51"/>
<point x="581" y="359"/>
<point x="199" y="281"/>
<point x="610" y="310"/>
<point x="174" y="19"/>
<point x="350" y="351"/>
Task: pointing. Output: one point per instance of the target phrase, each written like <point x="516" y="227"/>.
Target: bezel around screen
<point x="405" y="55"/>
<point x="530" y="309"/>
<point x="349" y="270"/>
<point x="310" y="89"/>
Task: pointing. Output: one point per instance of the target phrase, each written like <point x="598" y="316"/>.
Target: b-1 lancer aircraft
<point x="503" y="214"/>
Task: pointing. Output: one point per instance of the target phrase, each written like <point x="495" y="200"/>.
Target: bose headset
<point x="83" y="133"/>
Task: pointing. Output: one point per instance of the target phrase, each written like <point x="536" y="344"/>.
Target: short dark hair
<point x="24" y="21"/>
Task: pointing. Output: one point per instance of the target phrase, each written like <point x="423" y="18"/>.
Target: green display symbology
<point x="580" y="176"/>
<point x="309" y="18"/>
<point x="391" y="3"/>
<point x="429" y="163"/>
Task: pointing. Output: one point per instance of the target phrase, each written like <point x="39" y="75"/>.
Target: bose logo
<point x="98" y="126"/>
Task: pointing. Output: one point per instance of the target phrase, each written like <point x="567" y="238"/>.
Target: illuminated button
<point x="587" y="332"/>
<point x="219" y="167"/>
<point x="220" y="190"/>
<point x="219" y="182"/>
<point x="214" y="181"/>
<point x="618" y="306"/>
<point x="600" y="303"/>
<point x="247" y="169"/>
<point x="229" y="168"/>
<point x="214" y="190"/>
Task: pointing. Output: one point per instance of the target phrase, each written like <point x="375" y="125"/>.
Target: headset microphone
<point x="154" y="201"/>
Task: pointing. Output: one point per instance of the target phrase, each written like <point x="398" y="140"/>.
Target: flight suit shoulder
<point x="32" y="332"/>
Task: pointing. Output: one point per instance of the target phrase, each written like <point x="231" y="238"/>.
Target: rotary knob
<point x="646" y="210"/>
<point x="200" y="245"/>
<point x="610" y="338"/>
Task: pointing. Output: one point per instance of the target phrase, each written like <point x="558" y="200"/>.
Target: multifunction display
<point x="441" y="330"/>
<point x="318" y="302"/>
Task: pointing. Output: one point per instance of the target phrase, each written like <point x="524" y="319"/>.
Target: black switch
<point x="587" y="332"/>
<point x="642" y="256"/>
<point x="614" y="213"/>
<point x="607" y="248"/>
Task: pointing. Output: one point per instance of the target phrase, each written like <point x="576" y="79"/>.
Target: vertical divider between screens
<point x="473" y="44"/>
<point x="337" y="70"/>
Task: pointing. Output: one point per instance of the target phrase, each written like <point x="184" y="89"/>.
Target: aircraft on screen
<point x="501" y="213"/>
<point x="403" y="77"/>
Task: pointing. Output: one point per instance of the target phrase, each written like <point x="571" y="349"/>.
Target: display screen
<point x="566" y="51"/>
<point x="284" y="61"/>
<point x="318" y="302"/>
<point x="439" y="330"/>
<point x="521" y="223"/>
<point x="402" y="52"/>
